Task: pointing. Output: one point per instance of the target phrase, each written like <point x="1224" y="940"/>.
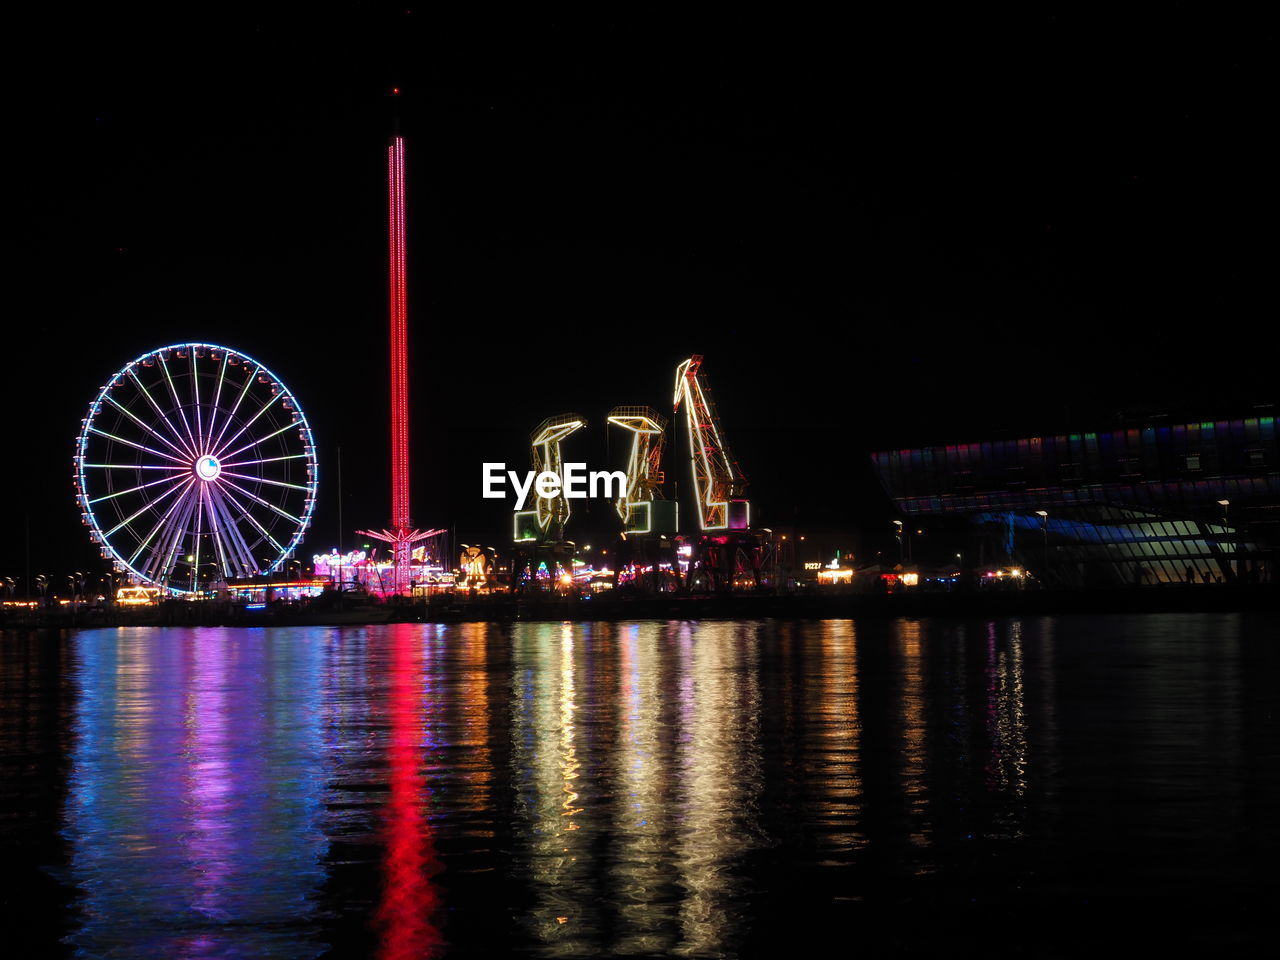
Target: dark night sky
<point x="877" y="234"/>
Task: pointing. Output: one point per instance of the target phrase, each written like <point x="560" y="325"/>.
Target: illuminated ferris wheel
<point x="195" y="464"/>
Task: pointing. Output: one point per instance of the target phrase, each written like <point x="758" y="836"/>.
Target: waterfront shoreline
<point x="511" y="609"/>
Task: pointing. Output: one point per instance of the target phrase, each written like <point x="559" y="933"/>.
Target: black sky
<point x="877" y="234"/>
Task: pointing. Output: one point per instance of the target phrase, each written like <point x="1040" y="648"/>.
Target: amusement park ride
<point x="401" y="536"/>
<point x="194" y="466"/>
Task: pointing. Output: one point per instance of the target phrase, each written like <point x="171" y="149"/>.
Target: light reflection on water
<point x="194" y="792"/>
<point x="583" y="790"/>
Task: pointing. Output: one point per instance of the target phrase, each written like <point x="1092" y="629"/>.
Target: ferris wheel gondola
<point x="195" y="465"/>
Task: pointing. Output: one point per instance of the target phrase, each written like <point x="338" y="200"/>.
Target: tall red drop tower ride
<point x="401" y="535"/>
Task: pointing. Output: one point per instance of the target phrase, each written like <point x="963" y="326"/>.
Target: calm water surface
<point x="1047" y="786"/>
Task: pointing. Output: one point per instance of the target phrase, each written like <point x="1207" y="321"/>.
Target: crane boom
<point x="717" y="478"/>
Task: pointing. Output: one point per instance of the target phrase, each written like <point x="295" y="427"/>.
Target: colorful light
<point x="399" y="339"/>
<point x="644" y="465"/>
<point x="401" y="535"/>
<point x="717" y="478"/>
<point x="174" y="416"/>
<point x="553" y="512"/>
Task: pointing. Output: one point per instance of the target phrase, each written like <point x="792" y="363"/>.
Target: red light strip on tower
<point x="401" y="536"/>
<point x="399" y="340"/>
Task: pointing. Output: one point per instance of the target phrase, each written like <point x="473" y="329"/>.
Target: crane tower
<point x="544" y="442"/>
<point x="644" y="469"/>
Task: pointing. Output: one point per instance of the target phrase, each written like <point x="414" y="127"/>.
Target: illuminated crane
<point x="545" y="444"/>
<point x="644" y="465"/>
<point x="718" y="481"/>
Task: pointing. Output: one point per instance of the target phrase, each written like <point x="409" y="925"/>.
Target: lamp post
<point x="211" y="576"/>
<point x="1044" y="533"/>
<point x="1224" y="504"/>
<point x="898" y="533"/>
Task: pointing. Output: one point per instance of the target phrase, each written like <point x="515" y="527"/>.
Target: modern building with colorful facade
<point x="1153" y="503"/>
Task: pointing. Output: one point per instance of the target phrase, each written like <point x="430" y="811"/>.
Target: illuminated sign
<point x="573" y="483"/>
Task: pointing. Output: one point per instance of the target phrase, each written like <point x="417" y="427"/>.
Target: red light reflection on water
<point x="406" y="915"/>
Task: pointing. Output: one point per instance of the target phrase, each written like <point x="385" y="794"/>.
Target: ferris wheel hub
<point x="208" y="468"/>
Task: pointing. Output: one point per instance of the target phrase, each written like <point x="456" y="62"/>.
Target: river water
<point x="1047" y="786"/>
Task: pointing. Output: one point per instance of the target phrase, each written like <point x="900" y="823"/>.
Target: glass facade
<point x="1136" y="505"/>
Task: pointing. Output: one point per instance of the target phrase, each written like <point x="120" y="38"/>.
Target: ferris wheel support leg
<point x="239" y="549"/>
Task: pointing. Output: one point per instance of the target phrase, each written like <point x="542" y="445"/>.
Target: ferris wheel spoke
<point x="216" y="525"/>
<point x="155" y="433"/>
<point x="259" y="440"/>
<point x="164" y="365"/>
<point x="218" y="551"/>
<point x="157" y="528"/>
<point x="228" y="535"/>
<point x="195" y="569"/>
<point x="144" y="486"/>
<point x="266" y="503"/>
<point x="143" y="509"/>
<point x="217" y="396"/>
<point x="252" y="463"/>
<point x="254" y="520"/>
<point x="239" y="433"/>
<point x="164" y="555"/>
<point x="236" y="406"/>
<point x="274" y="483"/>
<point x="138" y="446"/>
<point x="195" y="399"/>
<point x="136" y="466"/>
<point x="163" y="416"/>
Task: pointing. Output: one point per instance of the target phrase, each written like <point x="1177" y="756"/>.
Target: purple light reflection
<point x="194" y="793"/>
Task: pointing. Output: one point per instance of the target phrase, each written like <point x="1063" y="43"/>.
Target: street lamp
<point x="1224" y="504"/>
<point x="898" y="533"/>
<point x="1044" y="533"/>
